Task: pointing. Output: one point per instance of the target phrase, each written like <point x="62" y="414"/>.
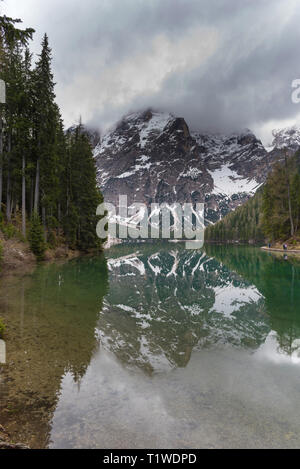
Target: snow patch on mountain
<point x="153" y="127"/>
<point x="219" y="147"/>
<point x="192" y="173"/>
<point x="229" y="182"/>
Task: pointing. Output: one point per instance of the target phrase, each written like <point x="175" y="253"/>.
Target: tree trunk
<point x="1" y="161"/>
<point x="8" y="211"/>
<point x="37" y="187"/>
<point x="59" y="216"/>
<point x="31" y="197"/>
<point x="8" y="192"/>
<point x="289" y="195"/>
<point x="44" y="222"/>
<point x="12" y="204"/>
<point x="23" y="197"/>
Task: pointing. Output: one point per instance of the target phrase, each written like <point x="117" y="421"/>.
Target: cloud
<point x="221" y="64"/>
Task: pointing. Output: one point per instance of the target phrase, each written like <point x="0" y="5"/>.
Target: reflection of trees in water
<point x="278" y="281"/>
<point x="52" y="316"/>
<point x="162" y="304"/>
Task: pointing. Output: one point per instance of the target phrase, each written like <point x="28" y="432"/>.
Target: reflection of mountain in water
<point x="163" y="303"/>
<point x="279" y="282"/>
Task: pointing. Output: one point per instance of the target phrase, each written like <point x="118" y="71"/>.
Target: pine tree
<point x="46" y="117"/>
<point x="277" y="204"/>
<point x="45" y="175"/>
<point x="12" y="41"/>
<point x="82" y="194"/>
<point x="36" y="237"/>
<point x="268" y="214"/>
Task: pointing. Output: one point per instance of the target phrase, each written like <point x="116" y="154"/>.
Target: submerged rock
<point x="5" y="442"/>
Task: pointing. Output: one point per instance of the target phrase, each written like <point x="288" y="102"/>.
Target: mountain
<point x="242" y="225"/>
<point x="288" y="137"/>
<point x="154" y="157"/>
<point x="273" y="213"/>
<point x="286" y="140"/>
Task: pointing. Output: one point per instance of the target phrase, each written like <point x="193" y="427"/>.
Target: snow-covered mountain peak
<point x="156" y="119"/>
<point x="153" y="157"/>
<point x="231" y="148"/>
<point x="135" y="129"/>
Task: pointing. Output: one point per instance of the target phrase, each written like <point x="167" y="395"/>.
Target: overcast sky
<point x="222" y="64"/>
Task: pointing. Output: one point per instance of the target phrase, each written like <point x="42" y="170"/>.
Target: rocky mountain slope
<point x="288" y="137"/>
<point x="155" y="157"/>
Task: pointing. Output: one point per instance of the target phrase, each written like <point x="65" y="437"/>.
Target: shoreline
<point x="286" y="251"/>
<point x="17" y="259"/>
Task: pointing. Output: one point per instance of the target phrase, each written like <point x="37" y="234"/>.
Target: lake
<point x="154" y="346"/>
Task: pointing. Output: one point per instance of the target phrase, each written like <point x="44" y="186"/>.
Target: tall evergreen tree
<point x="45" y="174"/>
<point x="82" y="194"/>
<point x="12" y="40"/>
<point x="36" y="237"/>
<point x="45" y="123"/>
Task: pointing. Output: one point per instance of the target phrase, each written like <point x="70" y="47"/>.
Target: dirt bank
<point x="17" y="257"/>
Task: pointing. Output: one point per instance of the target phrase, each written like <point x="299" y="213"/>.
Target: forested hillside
<point x="243" y="225"/>
<point x="273" y="214"/>
<point x="281" y="200"/>
<point x="47" y="177"/>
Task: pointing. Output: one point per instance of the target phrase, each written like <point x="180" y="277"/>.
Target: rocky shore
<point x="17" y="257"/>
